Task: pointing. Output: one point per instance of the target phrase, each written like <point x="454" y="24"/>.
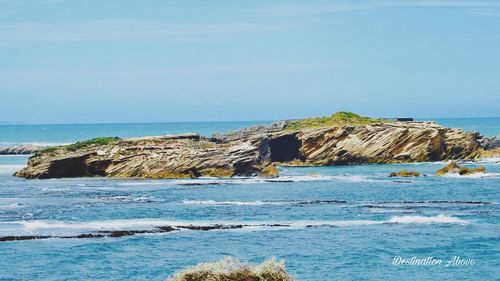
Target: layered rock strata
<point x="251" y="151"/>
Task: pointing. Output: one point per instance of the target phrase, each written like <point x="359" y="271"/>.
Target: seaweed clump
<point x="231" y="269"/>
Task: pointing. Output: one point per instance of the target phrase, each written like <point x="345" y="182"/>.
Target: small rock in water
<point x="231" y="269"/>
<point x="405" y="173"/>
<point x="454" y="168"/>
<point x="270" y="171"/>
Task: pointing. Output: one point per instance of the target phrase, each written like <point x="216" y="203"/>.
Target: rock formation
<point x="310" y="142"/>
<point x="405" y="173"/>
<point x="489" y="143"/>
<point x="20" y="149"/>
<point x="454" y="168"/>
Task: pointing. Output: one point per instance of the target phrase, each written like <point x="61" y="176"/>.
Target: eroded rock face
<point x="148" y="158"/>
<point x="249" y="151"/>
<point x="386" y="143"/>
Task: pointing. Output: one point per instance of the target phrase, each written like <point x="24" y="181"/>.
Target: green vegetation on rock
<point x="231" y="269"/>
<point x="78" y="145"/>
<point x="48" y="150"/>
<point x="95" y="141"/>
<point x="338" y="119"/>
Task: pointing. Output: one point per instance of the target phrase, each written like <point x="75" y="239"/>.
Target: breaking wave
<point x="126" y="198"/>
<point x="261" y="203"/>
<point x="474" y="176"/>
<point x="422" y="219"/>
<point x="39" y="229"/>
<point x="249" y="180"/>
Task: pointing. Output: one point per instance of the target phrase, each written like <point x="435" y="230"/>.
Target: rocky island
<point x="339" y="139"/>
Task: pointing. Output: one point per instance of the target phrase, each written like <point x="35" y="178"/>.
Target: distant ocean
<point x="328" y="223"/>
<point x="52" y="134"/>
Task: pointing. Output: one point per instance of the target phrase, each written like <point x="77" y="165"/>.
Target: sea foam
<point x="64" y="227"/>
<point x="249" y="180"/>
<point x="427" y="220"/>
<point x="473" y="176"/>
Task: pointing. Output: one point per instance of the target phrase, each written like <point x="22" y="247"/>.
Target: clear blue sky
<point x="133" y="61"/>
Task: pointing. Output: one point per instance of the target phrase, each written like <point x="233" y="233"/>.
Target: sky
<point x="78" y="61"/>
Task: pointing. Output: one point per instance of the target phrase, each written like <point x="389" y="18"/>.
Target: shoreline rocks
<point x="251" y="151"/>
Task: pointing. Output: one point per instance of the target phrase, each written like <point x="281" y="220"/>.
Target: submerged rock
<point x="405" y="173"/>
<point x="491" y="153"/>
<point x="231" y="269"/>
<point x="311" y="142"/>
<point x="454" y="168"/>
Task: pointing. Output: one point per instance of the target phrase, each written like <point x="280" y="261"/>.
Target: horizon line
<point x="2" y="123"/>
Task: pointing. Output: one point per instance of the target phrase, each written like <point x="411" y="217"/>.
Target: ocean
<point x="327" y="223"/>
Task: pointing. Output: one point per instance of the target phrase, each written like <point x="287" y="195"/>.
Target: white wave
<point x="10" y="206"/>
<point x="421" y="219"/>
<point x="355" y="178"/>
<point x="231" y="203"/>
<point x="261" y="203"/>
<point x="126" y="198"/>
<point x="340" y="223"/>
<point x="434" y="163"/>
<point x="96" y="225"/>
<point x="489" y="160"/>
<point x="52" y="189"/>
<point x="141" y="224"/>
<point x="248" y="180"/>
<point x="473" y="176"/>
<point x="439" y="219"/>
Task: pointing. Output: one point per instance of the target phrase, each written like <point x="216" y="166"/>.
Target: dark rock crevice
<point x="67" y="168"/>
<point x="285" y="148"/>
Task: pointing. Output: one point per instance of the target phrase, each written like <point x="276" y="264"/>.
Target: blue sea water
<point x="486" y="126"/>
<point x="328" y="223"/>
<point x="52" y="134"/>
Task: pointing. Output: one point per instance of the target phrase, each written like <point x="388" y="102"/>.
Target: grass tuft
<point x="338" y="119"/>
<point x="95" y="141"/>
